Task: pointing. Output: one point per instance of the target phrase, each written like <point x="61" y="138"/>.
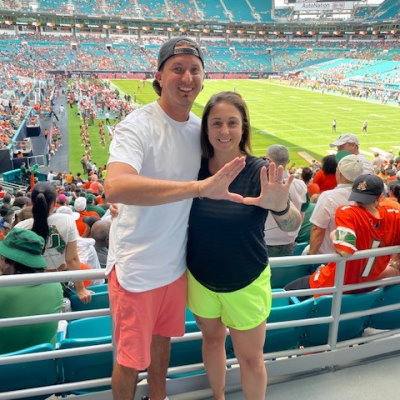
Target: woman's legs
<point x="248" y="346"/>
<point x="214" y="356"/>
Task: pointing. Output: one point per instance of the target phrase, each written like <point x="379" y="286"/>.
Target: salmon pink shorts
<point x="137" y="316"/>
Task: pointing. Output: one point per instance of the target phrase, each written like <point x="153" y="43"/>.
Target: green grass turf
<point x="99" y="154"/>
<point x="299" y="119"/>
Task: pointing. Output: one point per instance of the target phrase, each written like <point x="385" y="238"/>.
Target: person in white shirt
<point x="349" y="142"/>
<point x="280" y="243"/>
<point x="378" y="161"/>
<point x="152" y="172"/>
<point x="323" y="217"/>
<point x="59" y="232"/>
<point x="50" y="176"/>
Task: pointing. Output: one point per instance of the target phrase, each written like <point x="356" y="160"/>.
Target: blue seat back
<point x="313" y="335"/>
<point x="391" y="319"/>
<point x="89" y="327"/>
<point x="87" y="366"/>
<point x="99" y="288"/>
<point x="282" y="275"/>
<point x="28" y="375"/>
<point x="299" y="247"/>
<point x="87" y="332"/>
<point x="99" y="300"/>
<point x="186" y="352"/>
<point x="286" y="338"/>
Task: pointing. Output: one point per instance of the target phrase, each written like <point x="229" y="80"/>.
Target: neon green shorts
<point x="242" y="309"/>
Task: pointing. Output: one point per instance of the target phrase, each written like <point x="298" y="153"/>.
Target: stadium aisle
<point x="376" y="379"/>
<point x="60" y="161"/>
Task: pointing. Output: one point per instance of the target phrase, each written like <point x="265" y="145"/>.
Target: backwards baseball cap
<point x="178" y="45"/>
<point x="350" y="167"/>
<point x="24" y="247"/>
<point x="366" y="188"/>
<point x="345" y="138"/>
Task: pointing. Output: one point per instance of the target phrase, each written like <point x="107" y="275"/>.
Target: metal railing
<point x="334" y="319"/>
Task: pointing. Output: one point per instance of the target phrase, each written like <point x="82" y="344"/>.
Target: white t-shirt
<point x="62" y="231"/>
<point x="324" y="212"/>
<point x="274" y="236"/>
<point x="88" y="255"/>
<point x="148" y="244"/>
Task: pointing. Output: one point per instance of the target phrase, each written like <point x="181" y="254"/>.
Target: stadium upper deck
<point x="252" y="11"/>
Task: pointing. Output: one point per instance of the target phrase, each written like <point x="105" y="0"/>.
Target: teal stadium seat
<point x="100" y="299"/>
<point x="99" y="288"/>
<point x="391" y="319"/>
<point x="184" y="353"/>
<point x="299" y="247"/>
<point x="27" y="375"/>
<point x="313" y="335"/>
<point x="87" y="332"/>
<point x="282" y="275"/>
<point x="286" y="338"/>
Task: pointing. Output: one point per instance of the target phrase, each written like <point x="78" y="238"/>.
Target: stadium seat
<point x="299" y="247"/>
<point x="89" y="327"/>
<point x="282" y="275"/>
<point x="283" y="301"/>
<point x="313" y="335"/>
<point x="27" y="375"/>
<point x="286" y="338"/>
<point x="99" y="300"/>
<point x="183" y="353"/>
<point x="86" y="366"/>
<point x="99" y="288"/>
<point x="87" y="332"/>
<point x="391" y="319"/>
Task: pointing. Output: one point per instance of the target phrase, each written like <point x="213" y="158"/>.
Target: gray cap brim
<point x="362" y="197"/>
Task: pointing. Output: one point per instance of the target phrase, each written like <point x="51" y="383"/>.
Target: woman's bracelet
<point x="283" y="212"/>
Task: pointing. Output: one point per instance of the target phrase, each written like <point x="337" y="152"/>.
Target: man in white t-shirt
<point x="378" y="161"/>
<point x="152" y="172"/>
<point x="349" y="142"/>
<point x="323" y="217"/>
<point x="281" y="243"/>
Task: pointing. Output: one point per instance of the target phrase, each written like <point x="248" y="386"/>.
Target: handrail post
<point x="336" y="304"/>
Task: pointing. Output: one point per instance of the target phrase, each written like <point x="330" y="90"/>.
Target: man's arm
<point x="317" y="235"/>
<point x="73" y="264"/>
<point x="342" y="251"/>
<point x="124" y="185"/>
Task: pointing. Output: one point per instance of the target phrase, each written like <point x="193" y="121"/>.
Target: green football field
<point x="297" y="118"/>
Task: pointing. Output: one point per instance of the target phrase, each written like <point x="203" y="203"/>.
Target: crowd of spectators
<point x="96" y="98"/>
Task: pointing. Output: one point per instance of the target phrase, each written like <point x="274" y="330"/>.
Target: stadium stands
<point x="388" y="10"/>
<point x="264" y="9"/>
<point x="213" y="10"/>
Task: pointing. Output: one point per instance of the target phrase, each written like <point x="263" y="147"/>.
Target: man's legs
<point x="123" y="382"/>
<point x="157" y="371"/>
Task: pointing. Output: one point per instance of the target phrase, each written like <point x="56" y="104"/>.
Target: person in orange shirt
<point x="69" y="178"/>
<point x="306" y="176"/>
<point x="325" y="178"/>
<point x="366" y="225"/>
<point x="394" y="197"/>
<point x="80" y="207"/>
